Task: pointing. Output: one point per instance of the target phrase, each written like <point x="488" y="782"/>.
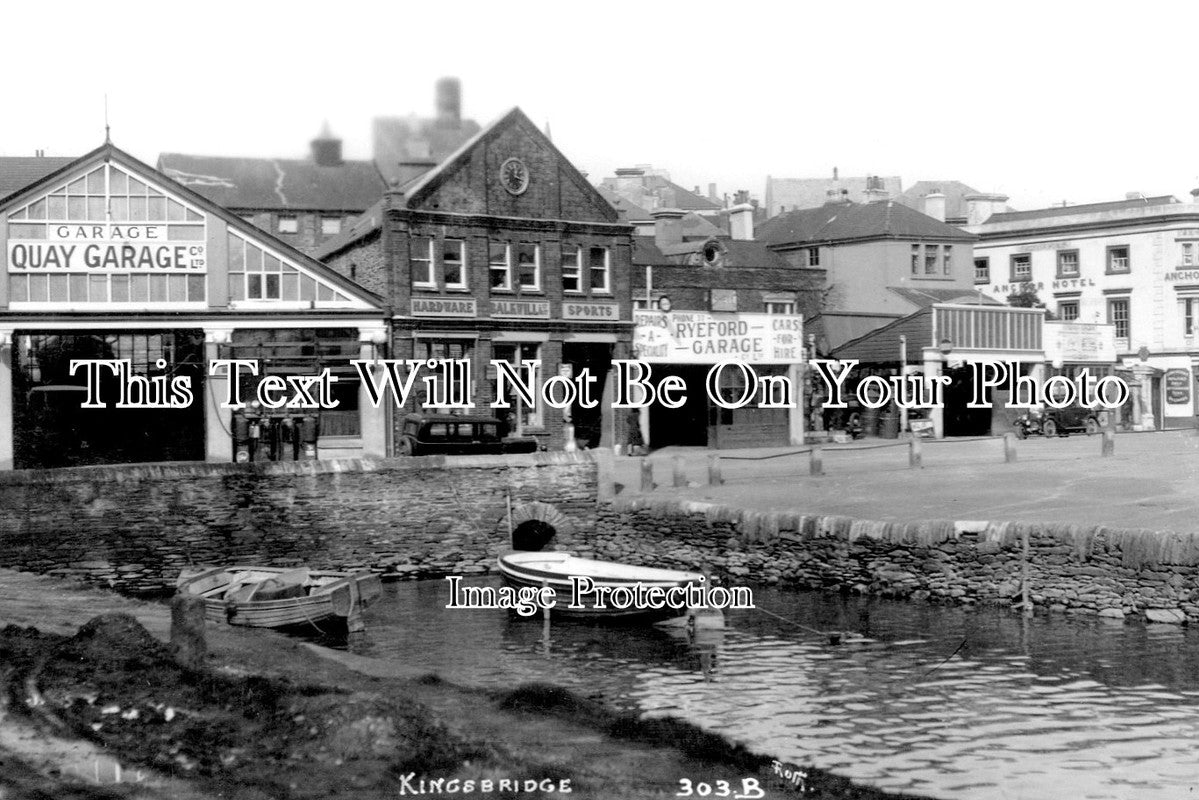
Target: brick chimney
<point x="741" y="221"/>
<point x="876" y="189"/>
<point x="449" y="102"/>
<point x="668" y="226"/>
<point x="934" y="205"/>
<point x="326" y="148"/>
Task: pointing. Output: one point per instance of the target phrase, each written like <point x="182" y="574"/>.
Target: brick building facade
<point x="502" y="251"/>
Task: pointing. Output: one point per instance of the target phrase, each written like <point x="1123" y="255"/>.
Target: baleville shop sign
<point x="106" y="248"/>
<point x="698" y="337"/>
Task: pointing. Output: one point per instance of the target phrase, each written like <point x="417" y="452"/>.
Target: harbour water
<point x="943" y="701"/>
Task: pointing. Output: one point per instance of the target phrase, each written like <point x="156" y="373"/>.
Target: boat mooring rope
<point x="834" y="637"/>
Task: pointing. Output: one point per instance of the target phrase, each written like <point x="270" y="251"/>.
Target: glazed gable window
<point x="499" y="265"/>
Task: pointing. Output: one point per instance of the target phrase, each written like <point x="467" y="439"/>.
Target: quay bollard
<point x="714" y="478"/>
<point x="915" y="454"/>
<point x="816" y="461"/>
<point x="1109" y="443"/>
<point x="1009" y="448"/>
<point x="647" y="475"/>
<point x="680" y="478"/>
<point x="187" y="631"/>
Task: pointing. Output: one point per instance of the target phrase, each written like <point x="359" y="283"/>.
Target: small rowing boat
<point x="591" y="589"/>
<point x="279" y="597"/>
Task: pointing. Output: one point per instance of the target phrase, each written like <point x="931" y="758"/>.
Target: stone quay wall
<point x="1109" y="571"/>
<point x="136" y="527"/>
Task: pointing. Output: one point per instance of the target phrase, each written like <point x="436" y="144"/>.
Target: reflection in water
<point x="948" y="702"/>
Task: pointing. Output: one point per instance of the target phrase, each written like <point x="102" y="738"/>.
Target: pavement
<point x="1150" y="481"/>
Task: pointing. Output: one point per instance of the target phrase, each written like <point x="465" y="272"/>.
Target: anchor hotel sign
<point x="106" y="248"/>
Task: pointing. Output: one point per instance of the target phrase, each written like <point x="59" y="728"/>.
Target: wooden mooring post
<point x="816" y="460"/>
<point x="647" y="475"/>
<point x="915" y="453"/>
<point x="1109" y="444"/>
<point x="714" y="477"/>
<point x="1009" y="448"/>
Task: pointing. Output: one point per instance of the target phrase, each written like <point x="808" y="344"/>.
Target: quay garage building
<point x="107" y="258"/>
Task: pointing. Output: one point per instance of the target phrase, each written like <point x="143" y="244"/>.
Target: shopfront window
<point x="522" y="417"/>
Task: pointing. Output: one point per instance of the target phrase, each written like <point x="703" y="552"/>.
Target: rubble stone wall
<point x="136" y="527"/>
<point x="1109" y="571"/>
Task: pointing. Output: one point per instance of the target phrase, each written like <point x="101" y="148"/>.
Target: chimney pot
<point x="326" y="148"/>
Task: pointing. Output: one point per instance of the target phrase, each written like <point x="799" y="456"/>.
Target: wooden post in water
<point x="680" y="477"/>
<point x="915" y="456"/>
<point x="1024" y="592"/>
<point x="1009" y="448"/>
<point x="187" y="631"/>
<point x="714" y="478"/>
<point x="545" y="623"/>
<point x="647" y="475"/>
<point x="816" y="461"/>
<point x="1109" y="444"/>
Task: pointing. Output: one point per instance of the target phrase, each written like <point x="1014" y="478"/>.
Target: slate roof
<point x="881" y="346"/>
<point x="955" y="196"/>
<point x="628" y="210"/>
<point x="17" y="172"/>
<point x="739" y="253"/>
<point x="276" y="183"/>
<point x="800" y="193"/>
<point x="668" y="194"/>
<point x="846" y="221"/>
<point x="923" y="298"/>
<point x="1086" y="208"/>
<point x="834" y="328"/>
<point x="400" y="139"/>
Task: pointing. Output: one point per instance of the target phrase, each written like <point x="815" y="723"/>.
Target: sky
<point x="1046" y="102"/>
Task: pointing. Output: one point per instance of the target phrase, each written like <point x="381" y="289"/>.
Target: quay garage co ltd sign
<point x="105" y="248"/>
<point x="699" y="337"/>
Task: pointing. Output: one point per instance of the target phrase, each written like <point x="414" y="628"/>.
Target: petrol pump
<point x="261" y="434"/>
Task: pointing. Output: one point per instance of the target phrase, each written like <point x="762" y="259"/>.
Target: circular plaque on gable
<point x="514" y="175"/>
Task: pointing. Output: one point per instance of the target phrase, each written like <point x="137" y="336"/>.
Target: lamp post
<point x="903" y="374"/>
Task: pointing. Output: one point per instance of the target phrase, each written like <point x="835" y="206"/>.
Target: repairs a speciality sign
<point x="700" y="337"/>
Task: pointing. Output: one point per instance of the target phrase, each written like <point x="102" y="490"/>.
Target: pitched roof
<point x="739" y="253"/>
<point x="834" y="328"/>
<point x="840" y="222"/>
<point x="813" y="192"/>
<point x="955" y="196"/>
<point x="922" y="298"/>
<point x="881" y="346"/>
<point x="665" y="194"/>
<point x="110" y="152"/>
<point x="628" y="210"/>
<point x="1086" y="208"/>
<point x="412" y="139"/>
<point x="276" y="183"/>
<point x="17" y="172"/>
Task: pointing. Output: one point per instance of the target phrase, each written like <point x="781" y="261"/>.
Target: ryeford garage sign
<point x="698" y="337"/>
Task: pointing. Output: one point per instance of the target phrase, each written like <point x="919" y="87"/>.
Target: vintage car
<point x="1060" y="421"/>
<point x="459" y="435"/>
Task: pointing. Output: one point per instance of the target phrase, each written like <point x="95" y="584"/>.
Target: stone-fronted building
<point x="504" y="251"/>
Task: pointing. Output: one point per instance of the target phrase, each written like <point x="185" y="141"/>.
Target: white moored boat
<point x="276" y="597"/>
<point x="570" y="577"/>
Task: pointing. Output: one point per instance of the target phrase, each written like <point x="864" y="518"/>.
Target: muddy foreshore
<point x="274" y="717"/>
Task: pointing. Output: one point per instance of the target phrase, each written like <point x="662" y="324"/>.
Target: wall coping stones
<point x="172" y="470"/>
